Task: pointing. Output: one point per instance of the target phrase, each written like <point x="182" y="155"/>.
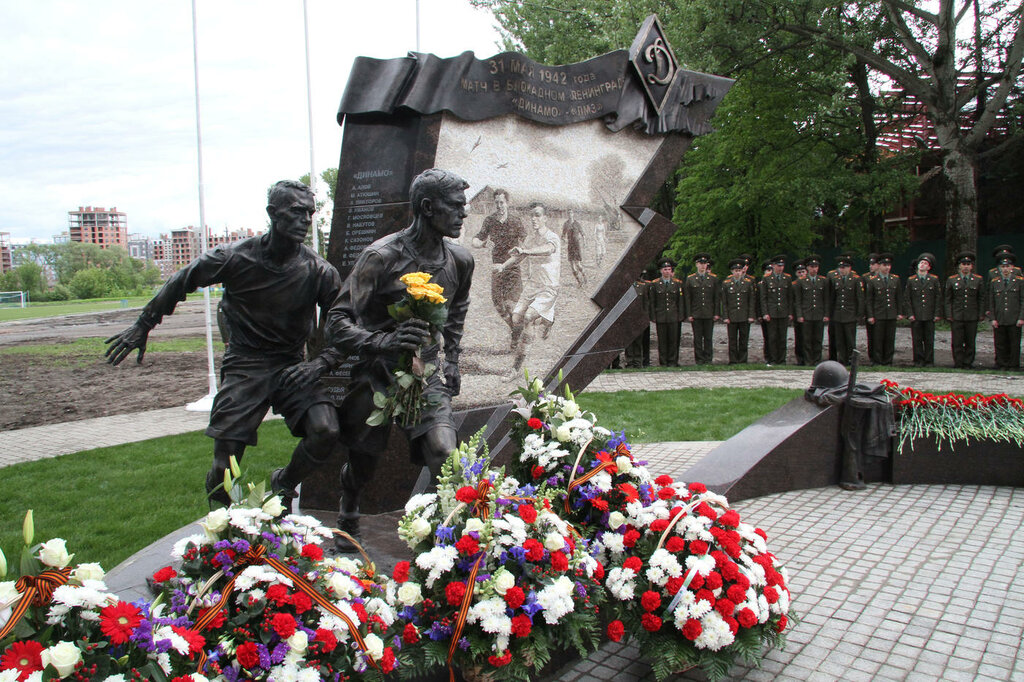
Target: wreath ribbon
<point x="35" y="591"/>
<point x="257" y="556"/>
<point x="583" y="479"/>
<point x="460" y="620"/>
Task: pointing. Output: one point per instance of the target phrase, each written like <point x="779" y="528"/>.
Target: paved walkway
<point x="895" y="582"/>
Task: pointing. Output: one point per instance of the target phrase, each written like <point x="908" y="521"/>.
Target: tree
<point x="323" y="209"/>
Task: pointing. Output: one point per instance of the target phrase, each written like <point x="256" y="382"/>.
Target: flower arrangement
<point x="684" y="577"/>
<point x="499" y="581"/>
<point x="405" y="398"/>
<point x="58" y="620"/>
<point x="954" y="417"/>
<point x="264" y="603"/>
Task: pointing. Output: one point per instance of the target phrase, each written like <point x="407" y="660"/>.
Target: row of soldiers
<point x="836" y="301"/>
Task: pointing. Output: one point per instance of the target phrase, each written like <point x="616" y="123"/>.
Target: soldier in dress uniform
<point x="667" y="308"/>
<point x="776" y="309"/>
<point x="638" y="352"/>
<point x="922" y="302"/>
<point x="965" y="305"/>
<point x="845" y="306"/>
<point x="738" y="310"/>
<point x="883" y="298"/>
<point x="766" y="270"/>
<point x="799" y="272"/>
<point x="997" y="256"/>
<point x="1006" y="301"/>
<point x="870" y="326"/>
<point x="811" y="308"/>
<point x="703" y="306"/>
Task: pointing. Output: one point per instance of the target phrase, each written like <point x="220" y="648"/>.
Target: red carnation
<point x="675" y="544"/>
<point x="534" y="550"/>
<point x="673" y="585"/>
<point x="633" y="563"/>
<point x="164" y="574"/>
<point x="410" y="635"/>
<point x="454" y="592"/>
<point x="514" y="597"/>
<point x="360" y="611"/>
<point x="537" y="472"/>
<point x="771" y="595"/>
<point x="781" y="625"/>
<point x="697" y="581"/>
<point x="616" y="630"/>
<point x="196" y="641"/>
<point x="466" y="494"/>
<point x="692" y="629"/>
<point x="521" y="625"/>
<point x="528" y="513"/>
<point x="733" y="624"/>
<point x="666" y="493"/>
<point x="301" y="602"/>
<point x="630" y="538"/>
<point x="467" y="544"/>
<point x="387" y="661"/>
<point x="283" y="624"/>
<point x="704" y="509"/>
<point x="312" y="552"/>
<point x="663" y="480"/>
<point x="730" y="571"/>
<point x="328" y="642"/>
<point x="650" y="600"/>
<point x="217" y="621"/>
<point x="248" y="655"/>
<point x="697" y="488"/>
<point x="659" y="525"/>
<point x="736" y="593"/>
<point x="278" y="594"/>
<point x="698" y="547"/>
<point x="705" y="594"/>
<point x="650" y="622"/>
<point x="725" y="606"/>
<point x="499" y="661"/>
<point x="117" y="621"/>
<point x="713" y="580"/>
<point x="746" y="618"/>
<point x="534" y="423"/>
<point x="25" y="657"/>
<point x="401" y="572"/>
<point x="764" y="536"/>
<point x="559" y="562"/>
<point x="599" y="571"/>
<point x="730" y="518"/>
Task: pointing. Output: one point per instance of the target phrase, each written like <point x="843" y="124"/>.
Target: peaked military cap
<point x="924" y="256"/>
<point x="780" y="258"/>
<point x="813" y="259"/>
<point x="1007" y="258"/>
<point x="666" y="263"/>
<point x="845" y="258"/>
<point x="799" y="265"/>
<point x="885" y="257"/>
<point x="965" y="257"/>
<point x="702" y="257"/>
<point x="737" y="263"/>
<point x="1000" y="249"/>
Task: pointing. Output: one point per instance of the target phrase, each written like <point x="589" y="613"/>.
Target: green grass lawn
<point x="110" y="502"/>
<point x="94" y="347"/>
<point x="92" y="305"/>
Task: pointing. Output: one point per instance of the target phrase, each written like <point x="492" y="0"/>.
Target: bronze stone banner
<point x="570" y="156"/>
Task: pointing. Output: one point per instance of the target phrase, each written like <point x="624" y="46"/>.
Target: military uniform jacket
<point x="883" y="297"/>
<point x="922" y="298"/>
<point x="993" y="273"/>
<point x="1006" y="299"/>
<point x="810" y="298"/>
<point x="665" y="301"/>
<point x="846" y="298"/>
<point x="702" y="296"/>
<point x="773" y="293"/>
<point x="739" y="299"/>
<point x="965" y="298"/>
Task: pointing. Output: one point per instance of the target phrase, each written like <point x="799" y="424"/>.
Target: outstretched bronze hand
<point x="121" y="345"/>
<point x="303" y="374"/>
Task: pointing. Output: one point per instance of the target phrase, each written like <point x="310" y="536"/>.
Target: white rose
<point x="298" y="642"/>
<point x="410" y="594"/>
<point x="63" y="655"/>
<point x="624" y="464"/>
<point x="554" y="542"/>
<point x="474" y="524"/>
<point x="562" y="433"/>
<point x="503" y="581"/>
<point x="420" y="528"/>
<point x="374" y="646"/>
<point x="570" y="409"/>
<point x="273" y="506"/>
<point x="55" y="553"/>
<point x="343" y="586"/>
<point x="215" y="522"/>
<point x="616" y="519"/>
<point x="84" y="572"/>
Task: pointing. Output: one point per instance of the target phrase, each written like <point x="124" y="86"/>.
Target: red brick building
<point x="98" y="225"/>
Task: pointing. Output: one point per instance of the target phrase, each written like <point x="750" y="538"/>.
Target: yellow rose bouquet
<point x="405" y="398"/>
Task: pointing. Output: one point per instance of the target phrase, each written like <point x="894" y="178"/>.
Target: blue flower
<point x="445" y="534"/>
<point x="439" y="632"/>
<point x="530" y="606"/>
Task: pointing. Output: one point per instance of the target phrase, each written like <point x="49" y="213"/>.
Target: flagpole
<point x="204" y="404"/>
<point x="309" y="109"/>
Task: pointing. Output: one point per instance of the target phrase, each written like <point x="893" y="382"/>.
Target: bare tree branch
<point x="911" y="9"/>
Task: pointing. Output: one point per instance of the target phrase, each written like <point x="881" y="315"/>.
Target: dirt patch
<point x="40" y="390"/>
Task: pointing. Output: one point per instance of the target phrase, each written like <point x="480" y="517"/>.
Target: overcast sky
<point x="97" y="102"/>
